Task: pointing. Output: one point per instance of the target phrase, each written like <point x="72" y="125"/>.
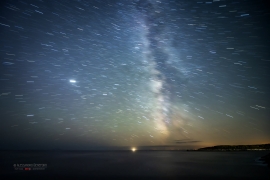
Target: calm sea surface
<point x="137" y="165"/>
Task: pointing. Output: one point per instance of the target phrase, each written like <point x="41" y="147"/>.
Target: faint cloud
<point x="185" y="141"/>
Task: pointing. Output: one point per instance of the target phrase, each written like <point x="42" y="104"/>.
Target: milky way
<point x="85" y="74"/>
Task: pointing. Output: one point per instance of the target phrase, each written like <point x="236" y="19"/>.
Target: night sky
<point x="83" y="74"/>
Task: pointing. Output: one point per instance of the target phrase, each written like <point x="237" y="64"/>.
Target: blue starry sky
<point x="78" y="74"/>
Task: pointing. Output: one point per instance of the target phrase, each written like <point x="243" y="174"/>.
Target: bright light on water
<point x="72" y="81"/>
<point x="133" y="149"/>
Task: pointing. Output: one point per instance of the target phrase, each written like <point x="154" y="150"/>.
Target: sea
<point x="133" y="165"/>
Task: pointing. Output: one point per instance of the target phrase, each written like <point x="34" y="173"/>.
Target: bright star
<point x="72" y="81"/>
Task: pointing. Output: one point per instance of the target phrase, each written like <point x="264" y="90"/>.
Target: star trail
<point x="84" y="74"/>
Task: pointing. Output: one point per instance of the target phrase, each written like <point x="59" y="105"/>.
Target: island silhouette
<point x="257" y="147"/>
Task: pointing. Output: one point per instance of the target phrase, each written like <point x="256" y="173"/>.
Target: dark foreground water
<point x="137" y="165"/>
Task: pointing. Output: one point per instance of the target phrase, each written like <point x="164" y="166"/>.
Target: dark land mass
<point x="236" y="147"/>
<point x="265" y="159"/>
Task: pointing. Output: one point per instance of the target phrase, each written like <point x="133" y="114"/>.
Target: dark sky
<point x="85" y="74"/>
